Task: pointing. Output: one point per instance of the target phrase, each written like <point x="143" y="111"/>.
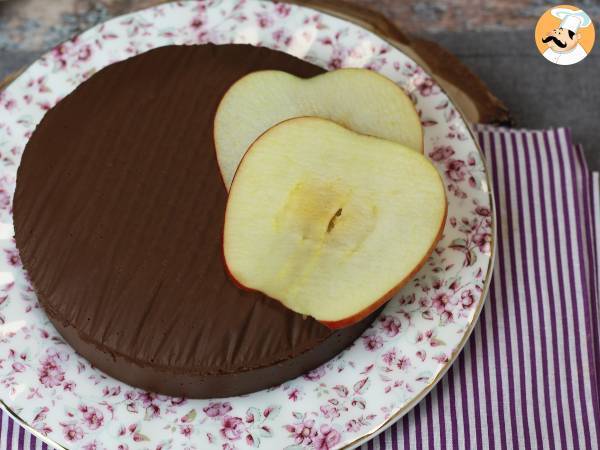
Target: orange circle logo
<point x="564" y="35"/>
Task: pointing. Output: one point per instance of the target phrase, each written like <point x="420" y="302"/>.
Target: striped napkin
<point x="528" y="377"/>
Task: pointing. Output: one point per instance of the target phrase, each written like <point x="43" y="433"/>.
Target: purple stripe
<point x="516" y="297"/>
<point x="406" y="432"/>
<point x="494" y="325"/>
<point x="382" y="445"/>
<point x="526" y="280"/>
<point x="541" y="299"/>
<point x="561" y="286"/>
<point x="441" y="416"/>
<point x="44" y="446"/>
<point x="474" y="376"/>
<point x="32" y="442"/>
<point x="416" y="412"/>
<point x="575" y="181"/>
<point x="395" y="436"/>
<point x="429" y="410"/>
<point x="370" y="445"/>
<point x="465" y="401"/>
<point x="21" y="442"/>
<point x="9" y="433"/>
<point x="510" y="358"/>
<point x="452" y="399"/>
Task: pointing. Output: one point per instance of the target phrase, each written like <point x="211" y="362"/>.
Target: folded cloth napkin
<point x="528" y="377"/>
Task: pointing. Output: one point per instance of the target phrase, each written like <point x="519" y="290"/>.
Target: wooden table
<point x="493" y="38"/>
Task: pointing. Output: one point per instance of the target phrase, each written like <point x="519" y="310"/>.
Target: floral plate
<point x="339" y="405"/>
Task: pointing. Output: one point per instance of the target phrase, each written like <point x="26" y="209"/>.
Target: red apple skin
<point x="346" y="322"/>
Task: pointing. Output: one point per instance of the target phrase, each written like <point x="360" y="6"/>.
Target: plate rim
<point x="408" y="406"/>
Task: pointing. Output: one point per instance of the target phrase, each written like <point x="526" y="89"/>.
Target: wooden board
<point x="467" y="90"/>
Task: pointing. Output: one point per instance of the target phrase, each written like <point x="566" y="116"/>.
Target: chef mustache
<point x="556" y="41"/>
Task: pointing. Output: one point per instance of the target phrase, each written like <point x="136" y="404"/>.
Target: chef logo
<point x="564" y="35"/>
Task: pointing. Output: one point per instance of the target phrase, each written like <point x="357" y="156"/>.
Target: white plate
<point x="371" y="384"/>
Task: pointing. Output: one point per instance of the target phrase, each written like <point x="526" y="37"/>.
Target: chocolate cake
<point x="118" y="217"/>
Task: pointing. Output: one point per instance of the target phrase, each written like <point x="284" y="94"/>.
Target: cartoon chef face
<point x="561" y="39"/>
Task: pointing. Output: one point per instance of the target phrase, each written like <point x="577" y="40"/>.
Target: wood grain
<point x="467" y="90"/>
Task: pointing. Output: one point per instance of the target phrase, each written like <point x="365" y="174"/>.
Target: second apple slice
<point x="328" y="221"/>
<point x="359" y="99"/>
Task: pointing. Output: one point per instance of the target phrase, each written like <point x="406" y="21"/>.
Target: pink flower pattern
<point x="73" y="403"/>
<point x="72" y="432"/>
<point x="328" y="438"/>
<point x="217" y="409"/>
<point x="232" y="428"/>
<point x="92" y="417"/>
<point x="51" y="374"/>
<point x="303" y="433"/>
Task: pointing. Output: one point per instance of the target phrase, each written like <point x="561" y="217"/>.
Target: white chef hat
<point x="570" y="19"/>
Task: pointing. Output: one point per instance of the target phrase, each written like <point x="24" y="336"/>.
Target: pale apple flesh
<point x="359" y="99"/>
<point x="329" y="222"/>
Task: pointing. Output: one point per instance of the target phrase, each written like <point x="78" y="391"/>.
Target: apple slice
<point x="359" y="99"/>
<point x="330" y="222"/>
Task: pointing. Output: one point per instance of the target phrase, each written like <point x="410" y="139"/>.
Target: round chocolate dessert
<point x="118" y="217"/>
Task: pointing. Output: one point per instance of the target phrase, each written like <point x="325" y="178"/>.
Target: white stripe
<point x="576" y="269"/>
<point x="424" y="424"/>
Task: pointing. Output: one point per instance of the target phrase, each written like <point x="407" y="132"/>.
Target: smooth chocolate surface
<point x="118" y="217"/>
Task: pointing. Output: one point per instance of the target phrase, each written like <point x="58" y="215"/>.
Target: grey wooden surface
<point x="538" y="93"/>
